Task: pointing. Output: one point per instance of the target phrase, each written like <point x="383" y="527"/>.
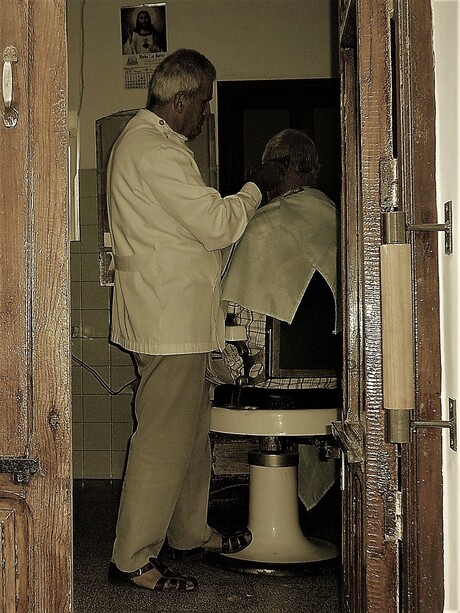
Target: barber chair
<point x="279" y="418"/>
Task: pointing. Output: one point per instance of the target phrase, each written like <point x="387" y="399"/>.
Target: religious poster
<point x="143" y="42"/>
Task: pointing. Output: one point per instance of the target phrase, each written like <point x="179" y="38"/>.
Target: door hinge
<point x="395" y="225"/>
<point x="391" y="8"/>
<point x="393" y="515"/>
<point x="20" y="469"/>
<point x="388" y="171"/>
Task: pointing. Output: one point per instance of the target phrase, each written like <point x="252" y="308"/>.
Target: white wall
<point x="446" y="15"/>
<point x="245" y="39"/>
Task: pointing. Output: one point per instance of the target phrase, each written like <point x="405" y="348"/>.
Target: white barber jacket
<point x="167" y="231"/>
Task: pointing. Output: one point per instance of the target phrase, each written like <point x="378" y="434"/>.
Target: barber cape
<point x="284" y="244"/>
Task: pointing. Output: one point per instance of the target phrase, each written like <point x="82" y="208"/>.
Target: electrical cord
<point x="101" y="380"/>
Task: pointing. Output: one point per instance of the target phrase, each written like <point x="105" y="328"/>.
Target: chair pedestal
<point x="278" y="539"/>
<point x="274" y="517"/>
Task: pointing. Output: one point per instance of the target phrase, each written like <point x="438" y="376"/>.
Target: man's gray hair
<point x="295" y="151"/>
<point x="183" y="70"/>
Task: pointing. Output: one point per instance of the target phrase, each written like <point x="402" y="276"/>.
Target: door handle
<point x="397" y="339"/>
<point x="10" y="113"/>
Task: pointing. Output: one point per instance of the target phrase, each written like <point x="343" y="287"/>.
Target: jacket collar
<point x="160" y="123"/>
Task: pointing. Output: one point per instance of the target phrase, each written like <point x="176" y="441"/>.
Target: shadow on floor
<point x="221" y="590"/>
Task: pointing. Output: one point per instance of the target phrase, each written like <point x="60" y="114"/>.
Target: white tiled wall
<point x="102" y="423"/>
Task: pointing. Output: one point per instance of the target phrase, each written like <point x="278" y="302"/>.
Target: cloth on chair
<point x="286" y="241"/>
<point x="315" y="477"/>
<point x="267" y="274"/>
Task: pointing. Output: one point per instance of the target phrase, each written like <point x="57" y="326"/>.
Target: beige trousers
<point x="166" y="485"/>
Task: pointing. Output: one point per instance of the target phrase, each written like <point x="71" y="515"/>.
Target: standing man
<point x="167" y="231"/>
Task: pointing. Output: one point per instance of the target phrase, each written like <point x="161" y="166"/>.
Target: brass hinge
<point x="393" y="515"/>
<point x="388" y="171"/>
<point x="395" y="225"/>
<point x="391" y="8"/>
<point x="20" y="469"/>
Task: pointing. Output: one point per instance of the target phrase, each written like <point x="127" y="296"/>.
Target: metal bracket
<point x="350" y="439"/>
<point x="21" y="469"/>
<point x="395" y="227"/>
<point x="451" y="424"/>
<point x="399" y="425"/>
<point x="445" y="227"/>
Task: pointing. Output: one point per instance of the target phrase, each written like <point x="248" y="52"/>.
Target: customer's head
<point x="296" y="153"/>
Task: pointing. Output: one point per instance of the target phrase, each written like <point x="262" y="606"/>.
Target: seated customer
<point x="289" y="242"/>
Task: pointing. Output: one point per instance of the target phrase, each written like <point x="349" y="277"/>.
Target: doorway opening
<point x="249" y="114"/>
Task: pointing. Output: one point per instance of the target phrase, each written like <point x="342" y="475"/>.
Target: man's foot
<point x="218" y="543"/>
<point x="153" y="576"/>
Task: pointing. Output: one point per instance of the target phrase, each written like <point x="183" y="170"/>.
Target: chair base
<point x="277" y="537"/>
<point x="278" y="540"/>
<point x="302" y="550"/>
<point x="264" y="568"/>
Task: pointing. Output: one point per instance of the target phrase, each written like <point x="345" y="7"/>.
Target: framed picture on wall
<point x="143" y="42"/>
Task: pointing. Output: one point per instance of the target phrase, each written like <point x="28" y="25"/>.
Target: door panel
<point x="388" y="116"/>
<point x="14" y="530"/>
<point x="35" y="436"/>
<point x="14" y="332"/>
<point x="15" y="388"/>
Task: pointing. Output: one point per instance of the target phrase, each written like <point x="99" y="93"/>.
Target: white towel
<point x="285" y="242"/>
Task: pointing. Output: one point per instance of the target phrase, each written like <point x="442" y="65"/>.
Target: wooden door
<point x="35" y="432"/>
<point x="392" y="509"/>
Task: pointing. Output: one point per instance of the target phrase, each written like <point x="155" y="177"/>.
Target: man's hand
<point x="266" y="177"/>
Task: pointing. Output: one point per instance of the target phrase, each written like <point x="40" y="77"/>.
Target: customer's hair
<point x="295" y="151"/>
<point x="181" y="71"/>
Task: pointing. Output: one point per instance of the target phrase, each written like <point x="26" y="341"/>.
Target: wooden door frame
<point x="421" y="477"/>
<point x="392" y="574"/>
<point x="370" y="561"/>
<point x="50" y="307"/>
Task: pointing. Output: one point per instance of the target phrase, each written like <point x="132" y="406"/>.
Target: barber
<point x="168" y="229"/>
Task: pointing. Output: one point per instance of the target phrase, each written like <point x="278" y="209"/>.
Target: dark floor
<point x="221" y="590"/>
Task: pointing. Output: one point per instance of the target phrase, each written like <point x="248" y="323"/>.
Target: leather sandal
<point x="230" y="544"/>
<point x="236" y="542"/>
<point x="169" y="580"/>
